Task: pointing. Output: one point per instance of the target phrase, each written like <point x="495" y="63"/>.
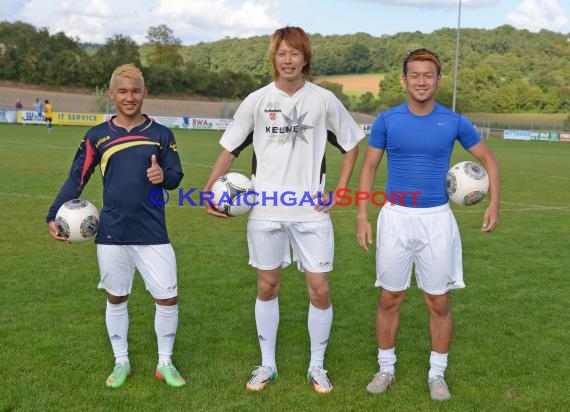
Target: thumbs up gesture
<point x="154" y="172"/>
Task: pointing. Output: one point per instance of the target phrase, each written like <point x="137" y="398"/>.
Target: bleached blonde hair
<point x="126" y="70"/>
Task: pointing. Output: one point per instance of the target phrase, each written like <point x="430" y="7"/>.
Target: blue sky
<point x="193" y="21"/>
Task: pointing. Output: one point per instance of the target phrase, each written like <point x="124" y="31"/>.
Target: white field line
<point x="26" y="195"/>
<point x="547" y="176"/>
<point x="513" y="207"/>
<point x="55" y="147"/>
<point x="39" y="145"/>
<point x="341" y="210"/>
<point x="521" y="207"/>
<point x="50" y="146"/>
<point x="210" y="166"/>
<point x="535" y="206"/>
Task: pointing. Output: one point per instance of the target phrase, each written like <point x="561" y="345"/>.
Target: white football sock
<point x="319" y="322"/>
<point x="165" y="326"/>
<point x="387" y="360"/>
<point x="117" y="320"/>
<point x="438" y="364"/>
<point x="267" y="322"/>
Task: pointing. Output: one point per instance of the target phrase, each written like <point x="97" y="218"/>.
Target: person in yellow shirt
<point x="48" y="114"/>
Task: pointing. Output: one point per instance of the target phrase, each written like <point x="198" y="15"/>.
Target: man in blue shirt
<point x="420" y="229"/>
<point x="136" y="156"/>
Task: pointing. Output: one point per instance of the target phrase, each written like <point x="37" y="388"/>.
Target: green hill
<point x="503" y="70"/>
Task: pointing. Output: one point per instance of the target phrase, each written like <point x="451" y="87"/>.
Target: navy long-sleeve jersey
<point x="127" y="216"/>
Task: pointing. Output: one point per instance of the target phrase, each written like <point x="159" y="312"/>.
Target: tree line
<point x="503" y="70"/>
<point x="33" y="56"/>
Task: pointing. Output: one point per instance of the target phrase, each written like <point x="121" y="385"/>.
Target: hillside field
<point x="355" y="84"/>
<point x="84" y="101"/>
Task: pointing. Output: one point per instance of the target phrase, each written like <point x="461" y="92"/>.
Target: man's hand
<point x="490" y="219"/>
<point x="154" y="172"/>
<point x="52" y="228"/>
<point x="324" y="202"/>
<point x="363" y="233"/>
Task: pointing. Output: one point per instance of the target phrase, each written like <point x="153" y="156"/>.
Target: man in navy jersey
<point x="136" y="156"/>
<point x="419" y="229"/>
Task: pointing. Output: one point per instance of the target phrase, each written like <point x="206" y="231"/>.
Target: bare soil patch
<point x="85" y="102"/>
<point x="355" y="83"/>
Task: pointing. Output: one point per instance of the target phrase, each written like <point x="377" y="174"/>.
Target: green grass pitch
<point x="511" y="332"/>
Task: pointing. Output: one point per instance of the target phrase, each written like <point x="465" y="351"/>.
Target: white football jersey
<point x="289" y="136"/>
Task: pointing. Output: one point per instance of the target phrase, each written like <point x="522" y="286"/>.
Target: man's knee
<point x="439" y="305"/>
<point x="391" y="301"/>
<point x="320" y="298"/>
<point x="167" y="302"/>
<point x="267" y="290"/>
<point x="268" y="284"/>
<point x="116" y="300"/>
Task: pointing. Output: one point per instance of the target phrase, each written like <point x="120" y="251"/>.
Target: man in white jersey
<point x="289" y="122"/>
<point x="420" y="230"/>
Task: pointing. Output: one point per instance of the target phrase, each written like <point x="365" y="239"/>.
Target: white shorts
<point x="425" y="237"/>
<point x="155" y="263"/>
<point x="270" y="243"/>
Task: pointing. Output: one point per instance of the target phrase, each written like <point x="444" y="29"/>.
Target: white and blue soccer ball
<point x="233" y="194"/>
<point x="467" y="183"/>
<point x="77" y="220"/>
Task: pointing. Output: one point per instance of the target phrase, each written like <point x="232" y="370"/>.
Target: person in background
<point x="137" y="157"/>
<point x="48" y="114"/>
<point x="18" y="104"/>
<point x="39" y="108"/>
<point x="418" y="137"/>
